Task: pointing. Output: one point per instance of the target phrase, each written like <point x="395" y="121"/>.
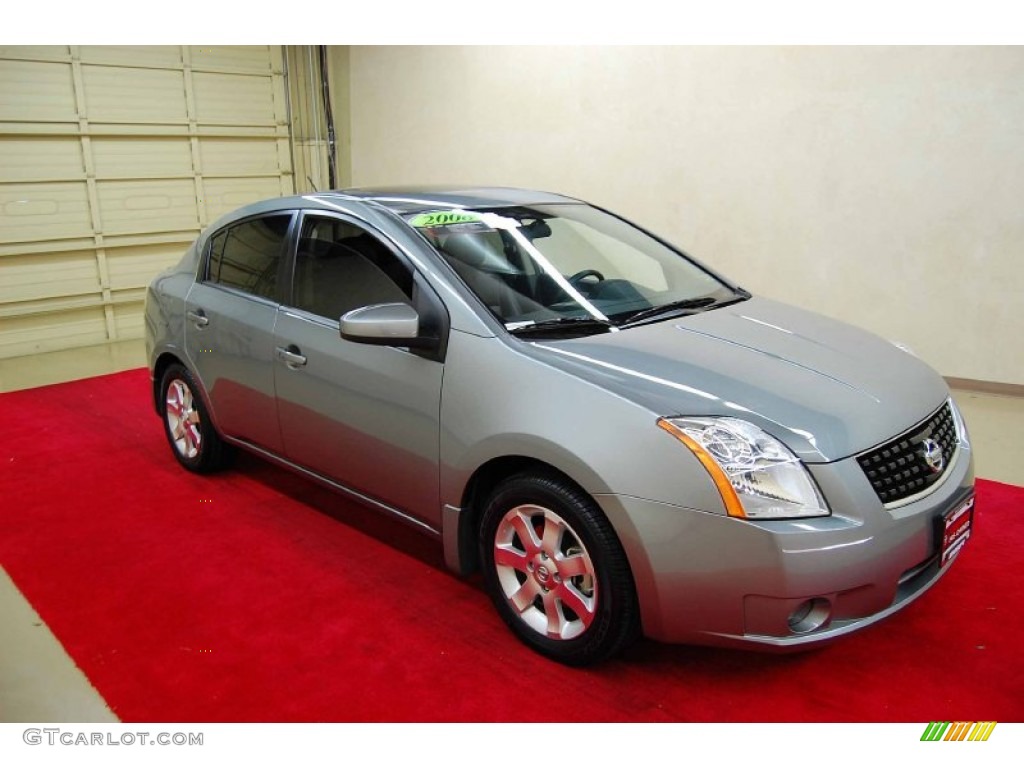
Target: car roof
<point x="419" y="198"/>
<point x="399" y="199"/>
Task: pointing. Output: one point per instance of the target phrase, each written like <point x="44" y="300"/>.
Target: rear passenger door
<point x="229" y="326"/>
<point x="364" y="416"/>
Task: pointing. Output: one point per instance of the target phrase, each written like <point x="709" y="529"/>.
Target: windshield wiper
<point x="556" y="324"/>
<point x="667" y="309"/>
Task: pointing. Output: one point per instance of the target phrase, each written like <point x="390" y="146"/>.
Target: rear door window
<point x="247" y="256"/>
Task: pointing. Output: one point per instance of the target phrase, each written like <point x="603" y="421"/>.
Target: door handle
<point x="290" y="356"/>
<point x="198" y="317"/>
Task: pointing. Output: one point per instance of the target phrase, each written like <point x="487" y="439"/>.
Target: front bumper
<point x="708" y="579"/>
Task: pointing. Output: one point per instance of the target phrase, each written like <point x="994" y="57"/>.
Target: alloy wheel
<point x="545" y="573"/>
<point x="183" y="419"/>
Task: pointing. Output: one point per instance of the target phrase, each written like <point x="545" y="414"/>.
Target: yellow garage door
<point x="111" y="161"/>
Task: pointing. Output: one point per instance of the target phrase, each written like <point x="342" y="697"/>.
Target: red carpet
<point x="255" y="596"/>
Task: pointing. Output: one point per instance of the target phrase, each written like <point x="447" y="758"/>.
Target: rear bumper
<point x="708" y="579"/>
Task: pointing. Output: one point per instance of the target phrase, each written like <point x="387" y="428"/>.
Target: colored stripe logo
<point x="946" y="731"/>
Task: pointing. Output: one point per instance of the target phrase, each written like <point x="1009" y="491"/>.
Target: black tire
<point x="568" y="593"/>
<point x="187" y="425"/>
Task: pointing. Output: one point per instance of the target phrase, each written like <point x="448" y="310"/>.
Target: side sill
<point x="343" y="489"/>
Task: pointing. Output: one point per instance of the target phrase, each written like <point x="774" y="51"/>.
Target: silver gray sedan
<point x="621" y="439"/>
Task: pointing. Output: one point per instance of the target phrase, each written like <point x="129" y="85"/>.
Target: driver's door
<point x="364" y="416"/>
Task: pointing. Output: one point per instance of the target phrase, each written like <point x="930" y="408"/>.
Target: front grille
<point x="901" y="468"/>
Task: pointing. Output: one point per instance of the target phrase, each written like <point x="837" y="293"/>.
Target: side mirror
<point x="393" y="325"/>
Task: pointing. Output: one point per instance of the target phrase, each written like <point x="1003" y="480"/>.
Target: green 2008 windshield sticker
<point x="444" y="218"/>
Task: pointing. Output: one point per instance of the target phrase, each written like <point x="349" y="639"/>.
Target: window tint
<point x="247" y="256"/>
<point x="339" y="267"/>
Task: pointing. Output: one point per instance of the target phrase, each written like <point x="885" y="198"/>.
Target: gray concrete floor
<point x="40" y="683"/>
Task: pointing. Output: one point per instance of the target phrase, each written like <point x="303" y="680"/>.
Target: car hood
<point x="826" y="389"/>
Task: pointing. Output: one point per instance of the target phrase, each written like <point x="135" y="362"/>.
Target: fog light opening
<point x="810" y="615"/>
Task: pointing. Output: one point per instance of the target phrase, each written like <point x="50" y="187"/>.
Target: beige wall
<point x="883" y="186"/>
<point x="340" y="80"/>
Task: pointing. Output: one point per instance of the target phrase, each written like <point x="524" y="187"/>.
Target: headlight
<point x="758" y="477"/>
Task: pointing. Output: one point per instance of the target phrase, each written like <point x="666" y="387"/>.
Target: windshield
<point x="567" y="266"/>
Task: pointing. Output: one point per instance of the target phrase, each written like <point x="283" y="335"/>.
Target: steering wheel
<point x="584" y="274"/>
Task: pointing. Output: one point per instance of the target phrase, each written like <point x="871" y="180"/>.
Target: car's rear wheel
<point x="556" y="571"/>
<point x="192" y="437"/>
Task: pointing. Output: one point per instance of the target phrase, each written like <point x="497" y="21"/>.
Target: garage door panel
<point x="111" y="159"/>
<point x="48" y="275"/>
<point x="131" y="268"/>
<point x="229" y="157"/>
<point x="243" y="99"/>
<point x="121" y="94"/>
<point x="147" y="206"/>
<point x="225" y="195"/>
<point x="116" y="158"/>
<point x="43" y="52"/>
<point x="240" y="58"/>
<point x="129" y="319"/>
<point x="41" y="159"/>
<point x="31" y="90"/>
<point x="48" y="331"/>
<point x="132" y="55"/>
<point x="44" y="211"/>
<point x="36" y="52"/>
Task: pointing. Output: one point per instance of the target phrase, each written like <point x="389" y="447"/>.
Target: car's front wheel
<point x="193" y="439"/>
<point x="556" y="571"/>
